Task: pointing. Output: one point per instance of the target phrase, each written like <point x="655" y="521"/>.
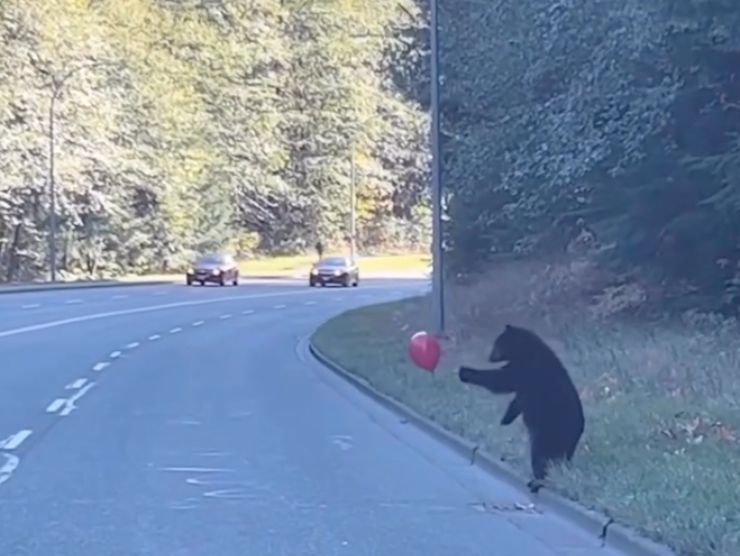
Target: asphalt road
<point x="174" y="421"/>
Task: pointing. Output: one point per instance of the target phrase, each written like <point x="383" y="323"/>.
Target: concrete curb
<point x="601" y="526"/>
<point x="85" y="284"/>
<point x="42" y="287"/>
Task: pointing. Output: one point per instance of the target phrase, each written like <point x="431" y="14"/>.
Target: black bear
<point x="544" y="395"/>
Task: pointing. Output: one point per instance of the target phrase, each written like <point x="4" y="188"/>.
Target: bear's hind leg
<point x="539" y="462"/>
<point x="543" y="454"/>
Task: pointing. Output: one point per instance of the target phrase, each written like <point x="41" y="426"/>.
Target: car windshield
<point x="211" y="259"/>
<point x="333" y="261"/>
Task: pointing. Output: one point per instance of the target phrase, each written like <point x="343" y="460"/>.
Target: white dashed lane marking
<point x="56" y="405"/>
<point x="14" y="441"/>
<point x="65" y="406"/>
<point x="10" y="465"/>
<point x="138" y="310"/>
<point x="69" y="403"/>
<point x="77" y="384"/>
<point x="197" y="469"/>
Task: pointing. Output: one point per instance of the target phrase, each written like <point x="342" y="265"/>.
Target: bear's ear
<point x="509" y="327"/>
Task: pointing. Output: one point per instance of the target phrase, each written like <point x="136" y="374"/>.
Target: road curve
<point x="193" y="422"/>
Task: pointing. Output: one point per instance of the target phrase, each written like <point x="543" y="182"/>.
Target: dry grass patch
<point x="288" y="266"/>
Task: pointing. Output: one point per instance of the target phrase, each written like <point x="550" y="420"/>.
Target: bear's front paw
<point x="464" y="373"/>
<point x="534" y="486"/>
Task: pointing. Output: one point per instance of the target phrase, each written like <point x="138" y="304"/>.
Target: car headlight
<point x="215" y="271"/>
<point x="337" y="272"/>
<point x="314" y="271"/>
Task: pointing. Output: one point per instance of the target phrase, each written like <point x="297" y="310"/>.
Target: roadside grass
<point x="288" y="266"/>
<point x="661" y="451"/>
<point x="395" y="263"/>
<point x="275" y="266"/>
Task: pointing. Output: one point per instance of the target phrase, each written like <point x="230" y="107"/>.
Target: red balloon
<point x="425" y="351"/>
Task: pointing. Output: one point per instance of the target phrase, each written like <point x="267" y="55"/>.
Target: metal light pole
<point x="436" y="189"/>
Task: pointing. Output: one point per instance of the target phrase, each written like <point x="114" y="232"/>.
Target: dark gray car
<point x="215" y="268"/>
<point x="335" y="270"/>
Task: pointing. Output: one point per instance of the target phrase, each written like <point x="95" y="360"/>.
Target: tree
<point x="190" y="126"/>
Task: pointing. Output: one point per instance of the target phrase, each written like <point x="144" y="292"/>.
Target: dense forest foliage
<point x="183" y="126"/>
<point x="186" y="126"/>
<point x="619" y="121"/>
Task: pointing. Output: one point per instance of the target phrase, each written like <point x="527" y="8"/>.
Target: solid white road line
<point x="150" y="309"/>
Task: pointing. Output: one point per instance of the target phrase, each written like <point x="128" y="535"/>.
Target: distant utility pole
<point x="56" y="89"/>
<point x="353" y="208"/>
<point x="57" y="86"/>
<point x="438" y="307"/>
